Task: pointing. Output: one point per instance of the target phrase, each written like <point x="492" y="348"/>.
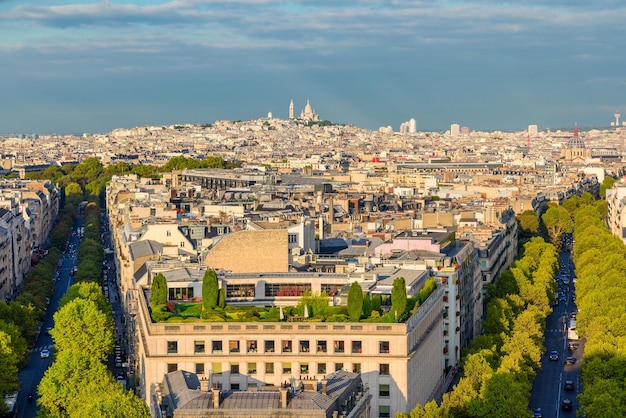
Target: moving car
<point x="554" y="356"/>
<point x="569" y="385"/>
<point x="566" y="405"/>
<point x="45" y="353"/>
<point x="537" y="413"/>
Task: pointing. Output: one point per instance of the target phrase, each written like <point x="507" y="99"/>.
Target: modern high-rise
<point x="412" y="126"/>
<point x="455" y="129"/>
<point x="532" y="130"/>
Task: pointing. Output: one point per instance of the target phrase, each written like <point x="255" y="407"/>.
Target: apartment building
<point x="616" y="217"/>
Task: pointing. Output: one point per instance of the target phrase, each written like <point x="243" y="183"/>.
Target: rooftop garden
<point x="360" y="307"/>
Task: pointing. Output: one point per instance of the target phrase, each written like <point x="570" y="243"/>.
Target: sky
<point x="93" y="66"/>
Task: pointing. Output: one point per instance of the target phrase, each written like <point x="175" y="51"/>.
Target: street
<point x="31" y="375"/>
<point x="548" y="390"/>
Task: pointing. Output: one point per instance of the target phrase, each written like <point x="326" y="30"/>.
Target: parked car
<point x="570" y="360"/>
<point x="572" y="346"/>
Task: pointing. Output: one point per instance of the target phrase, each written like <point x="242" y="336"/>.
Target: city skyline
<point x="72" y="67"/>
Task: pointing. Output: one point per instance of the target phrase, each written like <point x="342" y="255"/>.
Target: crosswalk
<point x="38" y="349"/>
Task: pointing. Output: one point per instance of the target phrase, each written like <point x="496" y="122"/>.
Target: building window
<point x="269" y="346"/>
<point x="383" y="369"/>
<point x="233" y="346"/>
<point x="269" y="368"/>
<point x="304" y="368"/>
<point x="304" y="346"/>
<point x="216" y="347"/>
<point x="198" y="347"/>
<point x="383" y="391"/>
<point x="180" y="293"/>
<point x="199" y="368"/>
<point x="331" y="289"/>
<point x="293" y="238"/>
<point x="357" y="347"/>
<point x="339" y="346"/>
<point x="234" y="386"/>
<point x="240" y="290"/>
<point x="338" y="366"/>
<point x="172" y="367"/>
<point x="286" y="289"/>
<point x="251" y="368"/>
<point x="172" y="347"/>
<point x="217" y="369"/>
<point x="251" y="346"/>
<point x="321" y="368"/>
<point x="356" y="367"/>
<point x="286" y="344"/>
<point x="383" y="347"/>
<point x="384" y="411"/>
<point x="321" y="346"/>
<point x="234" y="368"/>
<point x="286" y="368"/>
<point x="169" y="233"/>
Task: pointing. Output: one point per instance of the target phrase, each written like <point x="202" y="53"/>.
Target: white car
<point x="45" y="353"/>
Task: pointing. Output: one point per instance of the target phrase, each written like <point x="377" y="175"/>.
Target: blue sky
<point x="93" y="66"/>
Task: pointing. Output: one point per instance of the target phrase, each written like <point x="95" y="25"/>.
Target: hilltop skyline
<point x="71" y="66"/>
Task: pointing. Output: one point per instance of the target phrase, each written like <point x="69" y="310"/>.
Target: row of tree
<point x="600" y="259"/>
<point x="90" y="177"/>
<point x="499" y="367"/>
<point x="20" y="319"/>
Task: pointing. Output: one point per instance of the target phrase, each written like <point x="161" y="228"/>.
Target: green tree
<point x="316" y="304"/>
<point x="9" y="361"/>
<point x="398" y="297"/>
<point x="367" y="305"/>
<point x="77" y="385"/>
<point x="221" y="298"/>
<point x="210" y="290"/>
<point x="87" y="291"/>
<point x="528" y="222"/>
<point x="355" y="302"/>
<point x="80" y="326"/>
<point x="158" y="291"/>
<point x="607" y="183"/>
<point x="557" y="221"/>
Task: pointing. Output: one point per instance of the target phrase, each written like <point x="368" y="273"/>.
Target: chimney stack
<point x="324" y="386"/>
<point x="284" y="396"/>
<point x="204" y="384"/>
<point x="216" y="398"/>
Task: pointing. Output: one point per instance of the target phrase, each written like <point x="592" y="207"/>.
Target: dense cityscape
<point x="298" y="267"/>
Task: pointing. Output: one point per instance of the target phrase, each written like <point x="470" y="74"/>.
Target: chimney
<point x="216" y="398"/>
<point x="284" y="396"/>
<point x="324" y="386"/>
<point x="204" y="384"/>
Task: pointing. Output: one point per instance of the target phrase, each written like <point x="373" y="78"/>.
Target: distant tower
<point x="617" y="116"/>
<point x="455" y="129"/>
<point x="291" y="112"/>
<point x="412" y="126"/>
